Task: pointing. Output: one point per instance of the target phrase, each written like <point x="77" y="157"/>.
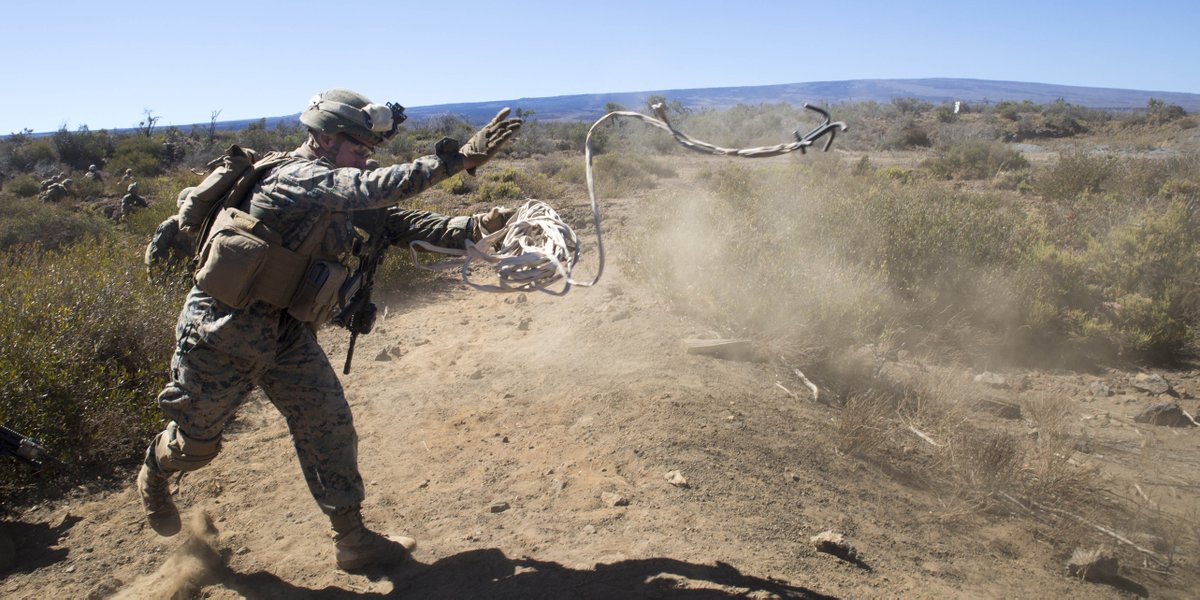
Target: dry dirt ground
<point x="525" y="441"/>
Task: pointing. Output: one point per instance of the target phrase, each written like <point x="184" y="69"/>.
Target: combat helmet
<point x="344" y="111"/>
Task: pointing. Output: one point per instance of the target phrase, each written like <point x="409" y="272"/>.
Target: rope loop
<point x="536" y="249"/>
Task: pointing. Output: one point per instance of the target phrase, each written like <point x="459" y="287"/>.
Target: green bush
<point x="497" y="191"/>
<point x="974" y="159"/>
<point x="82" y="148"/>
<point x="460" y="184"/>
<point x="25" y="155"/>
<point x="84" y="344"/>
<point x="909" y="135"/>
<point x="140" y="153"/>
<point x="1076" y="173"/>
<point x="1147" y="267"/>
<point x="23" y="186"/>
<point x="30" y="223"/>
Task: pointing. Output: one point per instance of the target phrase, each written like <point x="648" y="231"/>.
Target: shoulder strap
<point x="237" y="195"/>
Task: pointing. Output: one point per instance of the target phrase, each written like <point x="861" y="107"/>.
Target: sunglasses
<point x="360" y="149"/>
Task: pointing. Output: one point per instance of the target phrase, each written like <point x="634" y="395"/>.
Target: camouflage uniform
<point x="222" y="353"/>
<point x="131" y="201"/>
<point x="56" y="191"/>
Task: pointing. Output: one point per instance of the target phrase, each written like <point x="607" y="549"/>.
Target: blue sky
<point x="103" y="64"/>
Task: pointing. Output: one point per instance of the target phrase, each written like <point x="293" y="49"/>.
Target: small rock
<point x="242" y="551"/>
<point x="396" y="351"/>
<point x="521" y="298"/>
<point x="1099" y="389"/>
<point x="383" y="356"/>
<point x="476" y="374"/>
<point x="834" y="543"/>
<point x="676" y="479"/>
<point x="424" y="484"/>
<point x="524" y="324"/>
<point x="1153" y="383"/>
<point x="1166" y="415"/>
<point x="589" y="529"/>
<point x="614" y="499"/>
<point x="621" y="316"/>
<point x="499" y="507"/>
<point x="108" y="587"/>
<point x="1094" y="565"/>
<point x="991" y="379"/>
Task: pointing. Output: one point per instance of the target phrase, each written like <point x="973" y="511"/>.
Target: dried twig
<point x="789" y="392"/>
<point x="811" y="386"/>
<point x="1101" y="528"/>
<point x="927" y="439"/>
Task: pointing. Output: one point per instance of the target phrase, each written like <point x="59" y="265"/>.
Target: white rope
<point x="533" y="251"/>
<point x="537" y="249"/>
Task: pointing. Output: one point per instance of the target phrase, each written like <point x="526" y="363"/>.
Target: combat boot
<point x="155" y="490"/>
<point x="358" y="547"/>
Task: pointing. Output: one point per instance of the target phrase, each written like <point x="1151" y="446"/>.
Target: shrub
<point x="82" y="148"/>
<point x="1162" y="112"/>
<point x="460" y="184"/>
<point x="26" y="155"/>
<point x="36" y="226"/>
<point x="497" y="191"/>
<point x="909" y="135"/>
<point x="614" y="174"/>
<point x="84" y="343"/>
<point x="974" y="159"/>
<point x="1146" y="269"/>
<point x="23" y="186"/>
<point x="1075" y="173"/>
<point x="140" y="153"/>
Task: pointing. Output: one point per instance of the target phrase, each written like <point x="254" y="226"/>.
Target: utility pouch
<point x="232" y="258"/>
<point x="317" y="294"/>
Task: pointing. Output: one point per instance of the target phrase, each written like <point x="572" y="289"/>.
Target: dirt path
<point x="525" y="440"/>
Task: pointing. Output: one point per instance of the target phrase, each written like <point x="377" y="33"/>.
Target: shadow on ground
<point x="26" y="547"/>
<point x="490" y="574"/>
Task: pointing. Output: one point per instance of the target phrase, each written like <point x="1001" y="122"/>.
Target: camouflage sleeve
<point x="355" y="190"/>
<point x="406" y="226"/>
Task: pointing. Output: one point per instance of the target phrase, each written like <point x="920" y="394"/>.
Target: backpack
<point x="229" y="180"/>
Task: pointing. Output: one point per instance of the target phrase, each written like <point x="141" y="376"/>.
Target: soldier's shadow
<point x="488" y="573"/>
<point x="34" y="545"/>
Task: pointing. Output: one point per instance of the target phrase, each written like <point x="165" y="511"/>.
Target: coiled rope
<point x="536" y="249"/>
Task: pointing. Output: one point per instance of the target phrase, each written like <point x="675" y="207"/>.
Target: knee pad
<point x="174" y="451"/>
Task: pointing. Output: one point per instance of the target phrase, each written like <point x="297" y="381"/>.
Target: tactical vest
<point x="242" y="260"/>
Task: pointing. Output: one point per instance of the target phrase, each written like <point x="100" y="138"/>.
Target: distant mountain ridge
<point x="588" y="107"/>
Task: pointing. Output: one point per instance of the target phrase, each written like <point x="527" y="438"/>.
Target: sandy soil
<point x="525" y="441"/>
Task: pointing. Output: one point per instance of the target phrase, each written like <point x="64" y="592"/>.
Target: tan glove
<point x="487" y="141"/>
<point x="485" y="223"/>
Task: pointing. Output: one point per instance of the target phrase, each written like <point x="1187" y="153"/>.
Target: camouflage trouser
<point x="223" y="353"/>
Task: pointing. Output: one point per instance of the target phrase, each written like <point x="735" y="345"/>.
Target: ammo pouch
<point x="244" y="261"/>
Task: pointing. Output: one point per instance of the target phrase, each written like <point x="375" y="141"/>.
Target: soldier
<point x="51" y="180"/>
<point x="56" y="191"/>
<point x="93" y="173"/>
<point x="309" y="205"/>
<point x="131" y="201"/>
